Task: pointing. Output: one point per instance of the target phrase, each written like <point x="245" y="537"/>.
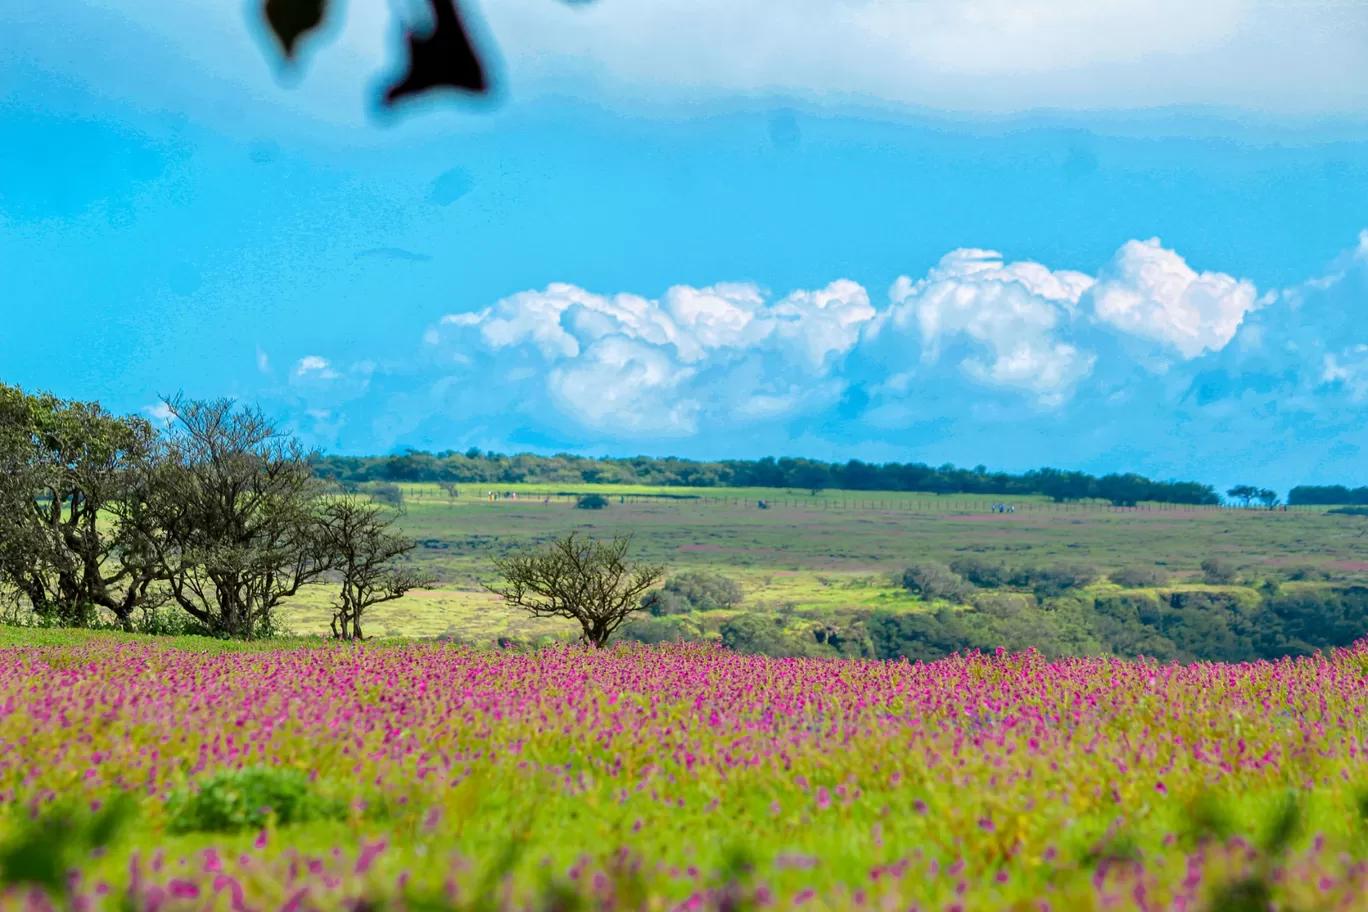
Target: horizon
<point x="1114" y="239"/>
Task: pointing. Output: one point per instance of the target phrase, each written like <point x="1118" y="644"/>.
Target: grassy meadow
<point x="830" y="552"/>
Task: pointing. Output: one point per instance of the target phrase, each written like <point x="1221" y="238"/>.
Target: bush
<point x="933" y="581"/>
<point x="1053" y="581"/>
<point x="981" y="572"/>
<point x="1305" y="573"/>
<point x="1139" y="577"/>
<point x="694" y="591"/>
<point x="236" y="800"/>
<point x="385" y="492"/>
<point x="656" y="630"/>
<point x="665" y="604"/>
<point x="591" y="502"/>
<point x="1219" y="571"/>
<point x="758" y="634"/>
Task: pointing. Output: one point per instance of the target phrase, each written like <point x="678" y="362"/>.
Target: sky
<point x="1109" y="235"/>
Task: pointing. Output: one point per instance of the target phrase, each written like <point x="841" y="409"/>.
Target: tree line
<point x="1328" y="495"/>
<point x="476" y="467"/>
<point x="207" y="526"/>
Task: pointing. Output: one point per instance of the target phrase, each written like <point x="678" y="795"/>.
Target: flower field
<point x="433" y="777"/>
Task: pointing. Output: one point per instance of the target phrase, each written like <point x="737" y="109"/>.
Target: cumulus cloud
<point x="1016" y="316"/>
<point x="732" y="354"/>
<point x="1151" y="292"/>
<point x="981" y="358"/>
<point x="639" y="365"/>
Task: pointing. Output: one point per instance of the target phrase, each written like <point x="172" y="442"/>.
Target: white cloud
<point x="625" y="385"/>
<point x="969" y="55"/>
<point x="1012" y="314"/>
<point x="637" y="365"/>
<point x="315" y="366"/>
<point x="263" y="361"/>
<point x="1151" y="292"/>
<point x="1349" y="369"/>
<point x="731" y="353"/>
<point x="958" y="54"/>
<point x="159" y="414"/>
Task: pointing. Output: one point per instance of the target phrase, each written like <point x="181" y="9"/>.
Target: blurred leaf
<point x="1284" y="825"/>
<point x="1250" y="895"/>
<point x="560" y="897"/>
<point x="442" y="58"/>
<point x="1208" y="818"/>
<point x="289" y="20"/>
<point x="38" y="854"/>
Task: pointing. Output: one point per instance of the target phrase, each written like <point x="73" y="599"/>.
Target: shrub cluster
<point x="1184" y="626"/>
<point x="235" y="800"/>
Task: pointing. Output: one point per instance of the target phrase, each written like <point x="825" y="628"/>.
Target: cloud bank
<point x="1143" y="362"/>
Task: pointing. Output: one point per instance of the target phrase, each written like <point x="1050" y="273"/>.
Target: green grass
<point x="830" y="553"/>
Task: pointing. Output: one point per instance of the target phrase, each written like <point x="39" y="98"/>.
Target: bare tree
<point x="64" y="466"/>
<point x="357" y="535"/>
<point x="232" y="516"/>
<point x="582" y="580"/>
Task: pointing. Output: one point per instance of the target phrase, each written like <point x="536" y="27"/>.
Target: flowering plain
<point x="688" y="777"/>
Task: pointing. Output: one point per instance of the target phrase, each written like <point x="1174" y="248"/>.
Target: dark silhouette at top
<point x="441" y="52"/>
<point x="443" y="57"/>
<point x="290" y="20"/>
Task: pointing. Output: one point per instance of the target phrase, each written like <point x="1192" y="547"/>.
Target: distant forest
<point x="1328" y="495"/>
<point x="476" y="467"/>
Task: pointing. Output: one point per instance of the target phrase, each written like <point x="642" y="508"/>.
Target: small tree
<point x="1269" y="499"/>
<point x="232" y="516"/>
<point x="356" y="535"/>
<point x="1245" y="494"/>
<point x="64" y="466"/>
<point x="579" y="579"/>
<point x="592" y="502"/>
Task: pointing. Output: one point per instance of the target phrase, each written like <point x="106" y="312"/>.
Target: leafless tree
<point x="582" y="580"/>
<point x="357" y="535"/>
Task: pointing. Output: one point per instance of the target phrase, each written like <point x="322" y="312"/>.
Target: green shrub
<point x="656" y="630"/>
<point x="982" y="573"/>
<point x="1139" y="577"/>
<point x="235" y="800"/>
<point x="695" y="591"/>
<point x="665" y="603"/>
<point x="934" y="581"/>
<point x="759" y="634"/>
<point x="385" y="492"/>
<point x="1305" y="573"/>
<point x="1052" y="581"/>
<point x="591" y="502"/>
<point x="1219" y="571"/>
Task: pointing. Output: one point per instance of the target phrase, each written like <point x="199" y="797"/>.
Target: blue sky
<point x="1114" y="235"/>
